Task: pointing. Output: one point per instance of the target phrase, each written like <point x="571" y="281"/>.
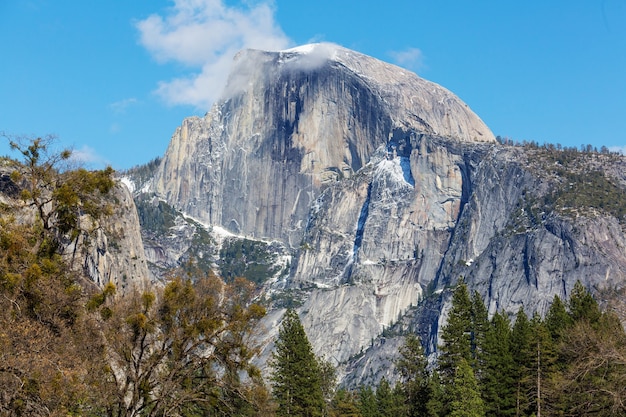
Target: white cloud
<point x="620" y="149"/>
<point x="88" y="156"/>
<point x="205" y="35"/>
<point x="410" y="58"/>
<point x="122" y="105"/>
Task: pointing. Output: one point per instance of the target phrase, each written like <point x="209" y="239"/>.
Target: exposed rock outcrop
<point x="387" y="189"/>
<point x="114" y="252"/>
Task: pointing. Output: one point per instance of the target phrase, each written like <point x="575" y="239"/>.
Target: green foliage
<point x="367" y="402"/>
<point x="247" y="258"/>
<point x="67" y="349"/>
<point x="389" y="402"/>
<point x="183" y="350"/>
<point x="591" y="189"/>
<point x="344" y="404"/>
<point x="155" y="215"/>
<point x="582" y="306"/>
<point x="578" y="181"/>
<point x="296" y="377"/>
<point x="456" y="334"/>
<point x="464" y="392"/>
<point x="412" y="366"/>
<point x="558" y="320"/>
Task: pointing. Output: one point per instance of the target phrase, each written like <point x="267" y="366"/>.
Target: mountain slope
<point x="386" y="189"/>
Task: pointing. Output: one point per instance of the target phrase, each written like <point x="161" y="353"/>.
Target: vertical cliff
<point x="386" y="189"/>
<point x="289" y="124"/>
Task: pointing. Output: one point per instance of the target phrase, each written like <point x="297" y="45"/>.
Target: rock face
<point x="114" y="252"/>
<point x="387" y="189"/>
<point x="109" y="251"/>
<point x="292" y="122"/>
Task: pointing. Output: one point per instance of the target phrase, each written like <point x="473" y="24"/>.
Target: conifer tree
<point x="457" y="347"/>
<point x="412" y="367"/>
<point x="541" y="368"/>
<point x="582" y="306"/>
<point x="344" y="404"/>
<point x="384" y="398"/>
<point x="367" y="402"/>
<point x="480" y="326"/>
<point x="296" y="377"/>
<point x="558" y="320"/>
<point x="456" y="334"/>
<point x="465" y="394"/>
<point x="499" y="369"/>
<point x="389" y="402"/>
<point x="522" y="352"/>
<point x="436" y="402"/>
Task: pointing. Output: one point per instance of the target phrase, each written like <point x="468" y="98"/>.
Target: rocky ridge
<point x="383" y="189"/>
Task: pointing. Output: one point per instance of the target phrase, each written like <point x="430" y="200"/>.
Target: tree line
<point x="572" y="362"/>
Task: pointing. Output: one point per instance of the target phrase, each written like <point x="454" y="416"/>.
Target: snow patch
<point x="302" y="49"/>
<point x="397" y="169"/>
<point x="130" y="184"/>
<point x="311" y="56"/>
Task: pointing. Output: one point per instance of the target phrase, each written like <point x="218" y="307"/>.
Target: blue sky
<point x="113" y="79"/>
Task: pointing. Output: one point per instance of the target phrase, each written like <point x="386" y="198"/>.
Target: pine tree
<point x="389" y="402"/>
<point x="456" y="334"/>
<point x="412" y="367"/>
<point x="344" y="404"/>
<point x="296" y="377"/>
<point x="384" y="398"/>
<point x="436" y="405"/>
<point x="499" y="369"/>
<point x="558" y="320"/>
<point x="582" y="306"/>
<point x="367" y="402"/>
<point x="522" y="353"/>
<point x="541" y="367"/>
<point x="465" y="394"/>
<point x="457" y="347"/>
<point x="480" y="325"/>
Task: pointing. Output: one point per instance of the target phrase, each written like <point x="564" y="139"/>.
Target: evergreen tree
<point x="436" y="405"/>
<point x="522" y="352"/>
<point x="456" y="334"/>
<point x="344" y="404"/>
<point x="457" y="347"/>
<point x="389" y="402"/>
<point x="367" y="402"/>
<point x="296" y="377"/>
<point x="558" y="320"/>
<point x="541" y="368"/>
<point x="582" y="306"/>
<point x="465" y="394"/>
<point x="384" y="399"/>
<point x="480" y="325"/>
<point x="499" y="369"/>
<point x="412" y="367"/>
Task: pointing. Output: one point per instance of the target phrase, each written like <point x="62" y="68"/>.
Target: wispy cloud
<point x="89" y="157"/>
<point x="621" y="149"/>
<point x="204" y="35"/>
<point x="121" y="105"/>
<point x="410" y="58"/>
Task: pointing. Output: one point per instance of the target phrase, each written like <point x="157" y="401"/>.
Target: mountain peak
<point x="411" y="101"/>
